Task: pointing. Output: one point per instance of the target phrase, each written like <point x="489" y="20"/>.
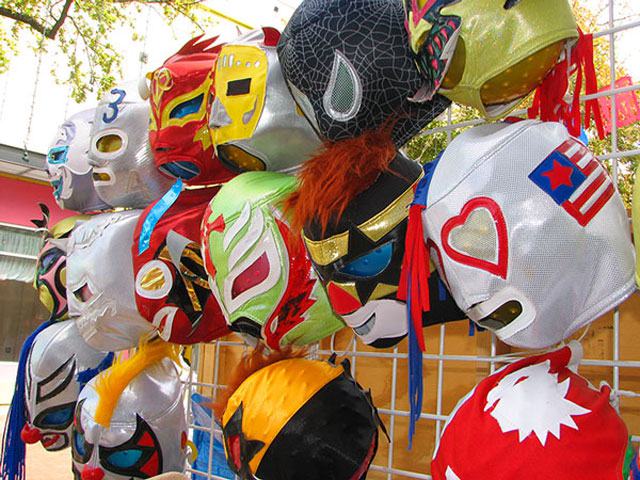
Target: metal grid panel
<point x="440" y="363"/>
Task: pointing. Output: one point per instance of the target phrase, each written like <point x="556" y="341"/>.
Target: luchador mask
<point x="100" y="285"/>
<point x="51" y="270"/>
<point x="359" y="257"/>
<point x="535" y="417"/>
<point x="528" y="231"/>
<point x="58" y="366"/>
<point x="68" y="166"/>
<point x="255" y="124"/>
<point x="179" y="131"/>
<point x="488" y="54"/>
<point x="299" y="418"/>
<point x="171" y="286"/>
<point x="123" y="170"/>
<point x="350" y="69"/>
<point x="258" y="268"/>
<point x="146" y="434"/>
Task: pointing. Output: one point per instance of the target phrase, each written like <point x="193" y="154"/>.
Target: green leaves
<point x="78" y="32"/>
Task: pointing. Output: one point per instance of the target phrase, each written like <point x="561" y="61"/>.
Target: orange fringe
<point x="249" y="364"/>
<point x="336" y="175"/>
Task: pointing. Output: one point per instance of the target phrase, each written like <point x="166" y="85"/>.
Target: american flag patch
<point x="574" y="179"/>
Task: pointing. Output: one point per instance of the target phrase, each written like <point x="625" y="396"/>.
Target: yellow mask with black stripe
<point x="300" y="418"/>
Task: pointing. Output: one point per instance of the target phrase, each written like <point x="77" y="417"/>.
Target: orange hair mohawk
<point x="337" y="174"/>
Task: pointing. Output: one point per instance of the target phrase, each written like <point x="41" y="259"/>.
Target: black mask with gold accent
<point x="300" y="418"/>
<point x="359" y="258"/>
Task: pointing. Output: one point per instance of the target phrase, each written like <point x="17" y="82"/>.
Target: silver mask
<point x="124" y="174"/>
<point x="254" y="122"/>
<point x="145" y="438"/>
<point x="100" y="284"/>
<point x="68" y="166"/>
<point x="57" y="356"/>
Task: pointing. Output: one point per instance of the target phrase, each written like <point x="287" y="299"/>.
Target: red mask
<point x="178" y="132"/>
<point x="171" y="283"/>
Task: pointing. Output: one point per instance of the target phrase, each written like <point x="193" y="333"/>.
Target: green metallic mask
<point x="488" y="54"/>
<point x="258" y="269"/>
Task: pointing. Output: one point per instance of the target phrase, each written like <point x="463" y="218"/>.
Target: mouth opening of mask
<point x="181" y="169"/>
<point x="239" y="159"/>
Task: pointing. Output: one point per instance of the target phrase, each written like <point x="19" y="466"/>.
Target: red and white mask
<point x="533" y="419"/>
<point x="526" y="227"/>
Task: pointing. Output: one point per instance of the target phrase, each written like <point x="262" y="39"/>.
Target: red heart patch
<point x="500" y="267"/>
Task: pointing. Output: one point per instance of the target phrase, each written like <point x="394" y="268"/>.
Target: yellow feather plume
<point x="112" y="382"/>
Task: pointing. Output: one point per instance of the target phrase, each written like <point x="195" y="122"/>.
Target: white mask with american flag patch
<point x="527" y="229"/>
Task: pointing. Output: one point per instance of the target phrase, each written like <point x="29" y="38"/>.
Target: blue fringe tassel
<point x="13" y="448"/>
<point x="85" y="376"/>
<point x="415" y="376"/>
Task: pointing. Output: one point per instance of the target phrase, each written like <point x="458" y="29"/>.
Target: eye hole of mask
<point x="187" y="107"/>
<point x="371" y="264"/>
<point x="58" y="155"/>
<point x="109" y="143"/>
<point x="81" y="449"/>
<point x="254" y="275"/>
<point x="56" y="418"/>
<point x="48" y="259"/>
<point x="238" y="87"/>
<point x="502" y="316"/>
<point x="124" y="459"/>
<point x="511" y="3"/>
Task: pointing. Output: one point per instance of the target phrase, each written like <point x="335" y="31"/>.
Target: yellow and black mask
<point x="299" y="418"/>
<point x="358" y="258"/>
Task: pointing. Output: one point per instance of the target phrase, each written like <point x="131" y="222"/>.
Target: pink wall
<point x="19" y="202"/>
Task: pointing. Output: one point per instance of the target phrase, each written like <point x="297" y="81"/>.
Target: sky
<point x="23" y="119"/>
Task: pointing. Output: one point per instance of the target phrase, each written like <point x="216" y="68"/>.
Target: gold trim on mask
<point x="324" y="252"/>
<point x="382" y="290"/>
<point x="378" y="226"/>
<point x="165" y="111"/>
<point x="327" y="251"/>
<point x="349" y="287"/>
<point x="153" y="280"/>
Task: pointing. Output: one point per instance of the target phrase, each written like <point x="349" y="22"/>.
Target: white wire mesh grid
<point x="607" y="368"/>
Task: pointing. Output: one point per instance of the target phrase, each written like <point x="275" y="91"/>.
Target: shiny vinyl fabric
<point x="57" y="356"/>
<point x="359" y="257"/>
<point x="51" y="270"/>
<point x="300" y="418"/>
<point x="100" y="282"/>
<point x="258" y="268"/>
<point x="257" y="127"/>
<point x="124" y="174"/>
<point x="147" y="434"/>
<point x="536" y="418"/>
<point x="70" y="173"/>
<point x="171" y="289"/>
<point x="492" y="53"/>
<point x="179" y="130"/>
<point x="526" y="228"/>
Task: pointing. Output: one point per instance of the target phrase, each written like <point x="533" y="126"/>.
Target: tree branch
<point x="35" y="23"/>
